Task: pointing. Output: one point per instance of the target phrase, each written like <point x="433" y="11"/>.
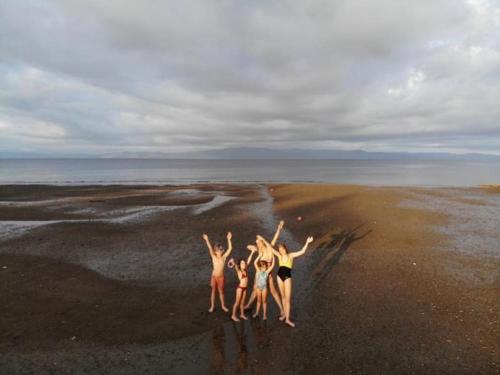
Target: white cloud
<point x="179" y="75"/>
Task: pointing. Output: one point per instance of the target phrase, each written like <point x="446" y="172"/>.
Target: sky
<point x="99" y="77"/>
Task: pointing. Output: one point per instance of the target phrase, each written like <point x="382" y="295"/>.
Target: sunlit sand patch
<point x="494" y="189"/>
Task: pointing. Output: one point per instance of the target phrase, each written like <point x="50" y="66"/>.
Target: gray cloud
<point x="386" y="75"/>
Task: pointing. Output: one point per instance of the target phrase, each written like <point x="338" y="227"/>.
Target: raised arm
<point x="278" y="231"/>
<point x="270" y="269"/>
<point x="252" y="247"/>
<point x="229" y="245"/>
<point x="268" y="245"/>
<point x="301" y="252"/>
<point x="249" y="259"/>
<point x="256" y="262"/>
<point x="237" y="269"/>
<point x="209" y="245"/>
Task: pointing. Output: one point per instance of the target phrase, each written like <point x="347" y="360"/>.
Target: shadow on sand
<point x="330" y="249"/>
<point x="234" y="344"/>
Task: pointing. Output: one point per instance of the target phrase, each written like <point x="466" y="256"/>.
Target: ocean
<point x="168" y="171"/>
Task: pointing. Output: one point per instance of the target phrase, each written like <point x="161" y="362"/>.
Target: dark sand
<point x="398" y="280"/>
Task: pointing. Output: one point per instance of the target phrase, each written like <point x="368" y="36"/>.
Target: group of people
<point x="264" y="264"/>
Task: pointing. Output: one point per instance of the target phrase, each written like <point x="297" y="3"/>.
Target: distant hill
<point x="243" y="153"/>
<point x="266" y="153"/>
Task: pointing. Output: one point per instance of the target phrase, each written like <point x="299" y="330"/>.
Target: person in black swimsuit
<point x="285" y="261"/>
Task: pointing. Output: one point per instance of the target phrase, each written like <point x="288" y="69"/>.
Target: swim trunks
<point x="217" y="282"/>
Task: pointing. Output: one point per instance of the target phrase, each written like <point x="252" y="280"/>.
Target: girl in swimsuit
<point x="241" y="290"/>
<point x="262" y="276"/>
<point x="285" y="261"/>
<point x="267" y="256"/>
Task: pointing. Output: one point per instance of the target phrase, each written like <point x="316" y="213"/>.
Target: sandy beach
<point x="115" y="279"/>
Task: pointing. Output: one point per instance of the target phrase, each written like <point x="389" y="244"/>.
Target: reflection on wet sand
<point x="236" y="347"/>
<point x="217" y="359"/>
<point x="241" y="345"/>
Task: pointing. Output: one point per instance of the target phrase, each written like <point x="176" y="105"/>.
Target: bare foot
<point x="290" y="323"/>
<point x="255" y="315"/>
<point x="282" y="317"/>
<point x="235" y="318"/>
<point x="210" y="310"/>
<point x="264" y="317"/>
<point x="225" y="309"/>
<point x="242" y="316"/>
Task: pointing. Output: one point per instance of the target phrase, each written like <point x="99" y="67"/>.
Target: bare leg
<point x="212" y="300"/>
<point x="259" y="297"/>
<point x="221" y="298"/>
<point x="264" y="304"/>
<point x="276" y="295"/>
<point x="236" y="304"/>
<point x="288" y="297"/>
<point x="242" y="305"/>
<point x="281" y="285"/>
<point x="253" y="295"/>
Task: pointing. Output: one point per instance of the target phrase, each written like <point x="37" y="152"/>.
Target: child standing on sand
<point x="241" y="290"/>
<point x="218" y="260"/>
<point x="262" y="276"/>
<point x="266" y="256"/>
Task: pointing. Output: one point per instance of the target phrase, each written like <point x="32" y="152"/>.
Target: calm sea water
<point x="155" y="171"/>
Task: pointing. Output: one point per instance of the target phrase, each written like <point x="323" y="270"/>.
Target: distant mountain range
<point x="266" y="153"/>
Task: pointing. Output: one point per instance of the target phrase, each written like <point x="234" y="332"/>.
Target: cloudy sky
<point x="95" y="76"/>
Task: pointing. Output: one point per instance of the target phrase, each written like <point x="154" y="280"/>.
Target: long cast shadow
<point x="331" y="249"/>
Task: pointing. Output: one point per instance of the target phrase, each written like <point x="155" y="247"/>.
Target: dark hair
<point x="284" y="246"/>
<point x="237" y="264"/>
<point x="218" y="246"/>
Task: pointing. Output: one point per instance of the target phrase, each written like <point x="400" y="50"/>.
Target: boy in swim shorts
<point x="218" y="261"/>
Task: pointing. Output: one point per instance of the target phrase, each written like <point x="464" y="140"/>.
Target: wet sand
<point x="114" y="279"/>
<point x="392" y="291"/>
